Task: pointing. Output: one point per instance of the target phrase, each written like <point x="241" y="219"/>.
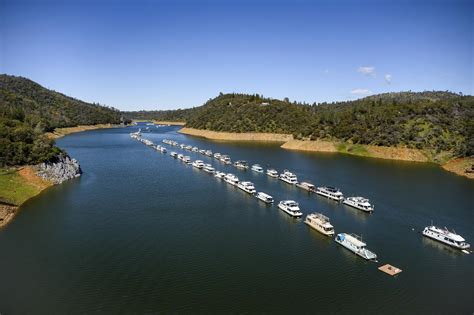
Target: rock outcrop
<point x="61" y="169"/>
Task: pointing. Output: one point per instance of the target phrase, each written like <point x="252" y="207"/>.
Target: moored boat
<point x="306" y="186"/>
<point x="225" y="159"/>
<point x="264" y="197"/>
<point x="187" y="159"/>
<point x="217" y="155"/>
<point x="248" y="187"/>
<point x="272" y="173"/>
<point x="198" y="164"/>
<point x="241" y="164"/>
<point x="291" y="207"/>
<point x="359" y="203"/>
<point x="330" y="192"/>
<point x="320" y="223"/>
<point x="288" y="177"/>
<point x="208" y="168"/>
<point x="219" y="175"/>
<point x="354" y="243"/>
<point x="174" y="154"/>
<point x="257" y="168"/>
<point x="231" y="179"/>
<point x="445" y="236"/>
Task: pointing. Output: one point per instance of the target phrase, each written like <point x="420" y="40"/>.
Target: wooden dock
<point x="390" y="270"/>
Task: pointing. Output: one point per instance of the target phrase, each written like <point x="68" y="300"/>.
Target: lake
<point x="142" y="232"/>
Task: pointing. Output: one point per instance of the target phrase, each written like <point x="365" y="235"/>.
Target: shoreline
<point x="61" y="132"/>
<point x="456" y="166"/>
<point x="166" y="122"/>
<point x="23" y="184"/>
<point x="231" y="136"/>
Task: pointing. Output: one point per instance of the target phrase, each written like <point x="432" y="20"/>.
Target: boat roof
<point x="354" y="239"/>
<point x="307" y="184"/>
<point x="445" y="231"/>
<point x="264" y="194"/>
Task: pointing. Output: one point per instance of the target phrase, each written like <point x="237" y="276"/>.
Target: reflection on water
<point x="142" y="232"/>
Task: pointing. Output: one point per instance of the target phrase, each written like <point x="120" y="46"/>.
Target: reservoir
<point x="143" y="232"/>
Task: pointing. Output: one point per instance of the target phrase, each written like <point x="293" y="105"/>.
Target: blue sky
<point x="170" y="54"/>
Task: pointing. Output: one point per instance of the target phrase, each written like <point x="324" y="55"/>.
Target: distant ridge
<point x="441" y="123"/>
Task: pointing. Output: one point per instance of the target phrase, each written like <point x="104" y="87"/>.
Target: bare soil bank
<point x="230" y="136"/>
<point x="462" y="166"/>
<point x="61" y="132"/>
<point x="458" y="166"/>
<point x="172" y="123"/>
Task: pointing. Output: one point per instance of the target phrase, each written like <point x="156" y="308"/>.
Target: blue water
<point x="142" y="232"/>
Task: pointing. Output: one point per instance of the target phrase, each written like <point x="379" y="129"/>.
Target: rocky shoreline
<point x="40" y="177"/>
<point x="59" y="170"/>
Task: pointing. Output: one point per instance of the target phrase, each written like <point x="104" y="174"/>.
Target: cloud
<point x="388" y="78"/>
<point x="369" y="71"/>
<point x="361" y="92"/>
<point x="326" y="71"/>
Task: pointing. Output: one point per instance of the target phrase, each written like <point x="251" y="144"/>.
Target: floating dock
<point x="390" y="270"/>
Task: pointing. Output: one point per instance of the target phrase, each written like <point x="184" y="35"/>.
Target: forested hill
<point x="25" y="100"/>
<point x="28" y="110"/>
<point x="434" y="121"/>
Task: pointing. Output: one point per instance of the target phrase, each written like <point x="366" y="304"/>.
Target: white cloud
<point x="361" y="92"/>
<point x="369" y="71"/>
<point x="388" y="78"/>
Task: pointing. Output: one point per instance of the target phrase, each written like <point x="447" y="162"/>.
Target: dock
<point x="390" y="270"/>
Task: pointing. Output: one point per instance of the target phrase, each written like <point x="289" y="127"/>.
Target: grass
<point x="14" y="188"/>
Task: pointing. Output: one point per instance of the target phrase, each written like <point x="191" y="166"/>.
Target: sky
<point x="136" y="55"/>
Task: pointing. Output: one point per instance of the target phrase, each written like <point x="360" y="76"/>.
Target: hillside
<point x="439" y="123"/>
<point x="28" y="110"/>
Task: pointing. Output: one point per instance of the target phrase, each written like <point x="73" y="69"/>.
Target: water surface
<point x="141" y="232"/>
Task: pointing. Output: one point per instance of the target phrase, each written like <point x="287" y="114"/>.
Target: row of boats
<point x="317" y="221"/>
<point x="286" y="176"/>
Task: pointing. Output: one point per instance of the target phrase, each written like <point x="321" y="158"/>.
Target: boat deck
<point x="390" y="270"/>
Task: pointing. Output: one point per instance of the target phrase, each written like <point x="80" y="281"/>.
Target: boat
<point x="180" y="157"/>
<point x="195" y="149"/>
<point x="291" y="207"/>
<point x="208" y="168"/>
<point x="320" y="223"/>
<point x="443" y="235"/>
<point x="272" y="173"/>
<point x="288" y="177"/>
<point x="174" y="154"/>
<point x="241" y="164"/>
<point x="264" y="197"/>
<point x="330" y="192"/>
<point x="208" y="153"/>
<point x="202" y="151"/>
<point x="354" y="243"/>
<point x="188" y="147"/>
<point x="359" y="203"/>
<point x="187" y="159"/>
<point x="182" y="146"/>
<point x="257" y="168"/>
<point x="220" y="175"/>
<point x="226" y="159"/>
<point x="306" y="186"/>
<point x="162" y="149"/>
<point x="248" y="187"/>
<point x="217" y="155"/>
<point x="198" y="164"/>
<point x="231" y="179"/>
